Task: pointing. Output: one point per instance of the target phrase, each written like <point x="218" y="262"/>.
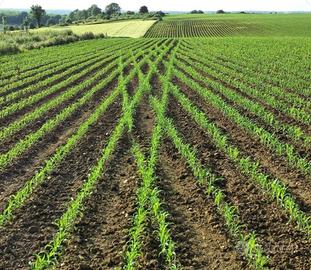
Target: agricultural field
<point x="130" y="28"/>
<point x="157" y="153"/>
<point x="214" y="25"/>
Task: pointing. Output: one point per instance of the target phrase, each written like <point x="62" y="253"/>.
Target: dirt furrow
<point x="20" y="113"/>
<point x="99" y="238"/>
<point x="286" y="247"/>
<point x="24" y="167"/>
<point x="199" y="233"/>
<point x="299" y="184"/>
<point x="33" y="225"/>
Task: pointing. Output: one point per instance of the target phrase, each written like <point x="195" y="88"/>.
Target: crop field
<point x="157" y="153"/>
<point x="215" y="25"/>
<point x="198" y="28"/>
<point x="130" y="28"/>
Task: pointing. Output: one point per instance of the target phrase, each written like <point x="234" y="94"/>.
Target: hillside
<point x="130" y="28"/>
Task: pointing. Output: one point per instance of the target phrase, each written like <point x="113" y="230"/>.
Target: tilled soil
<point x="19" y="113"/>
<point x="299" y="184"/>
<point x="101" y="235"/>
<point x="34" y="222"/>
<point x="23" y="168"/>
<point x="286" y="247"/>
<point x="199" y="234"/>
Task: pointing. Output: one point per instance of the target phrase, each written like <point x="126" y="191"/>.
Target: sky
<point x="169" y="5"/>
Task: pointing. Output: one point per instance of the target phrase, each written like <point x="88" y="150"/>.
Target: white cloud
<point x="181" y="5"/>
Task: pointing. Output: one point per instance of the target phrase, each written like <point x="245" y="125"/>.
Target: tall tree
<point x="113" y="9"/>
<point x="4" y="22"/>
<point x="94" y="10"/>
<point x="143" y="10"/>
<point x="26" y="23"/>
<point x="37" y="12"/>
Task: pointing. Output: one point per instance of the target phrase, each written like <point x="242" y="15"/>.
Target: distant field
<point x="132" y="28"/>
<point x="199" y="28"/>
<point x="203" y="25"/>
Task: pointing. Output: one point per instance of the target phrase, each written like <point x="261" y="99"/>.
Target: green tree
<point x="143" y="10"/>
<point x="113" y="9"/>
<point x="37" y="12"/>
<point x="26" y="23"/>
<point x="4" y="22"/>
<point x="94" y="10"/>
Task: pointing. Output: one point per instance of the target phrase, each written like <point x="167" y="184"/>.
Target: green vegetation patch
<point x="130" y="28"/>
<point x="204" y="25"/>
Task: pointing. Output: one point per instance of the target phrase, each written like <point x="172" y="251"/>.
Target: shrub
<point x="7" y="48"/>
<point x="87" y="35"/>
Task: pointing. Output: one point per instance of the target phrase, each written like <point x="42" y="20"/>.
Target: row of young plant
<point x="75" y="209"/>
<point x="51" y="67"/>
<point x="148" y="202"/>
<point x="31" y="139"/>
<point x="75" y="70"/>
<point x="209" y="181"/>
<point x="236" y="64"/>
<point x="247" y="77"/>
<point x="9" y="60"/>
<point x="59" y="68"/>
<point x="75" y="67"/>
<point x="27" y="142"/>
<point x="266" y="138"/>
<point x="39" y="95"/>
<point x="250" y="83"/>
<point x="85" y="70"/>
<point x="292" y="105"/>
<point x="18" y="199"/>
<point x="22" y="122"/>
<point x="250" y="78"/>
<point x="271" y="186"/>
<point x="264" y="59"/>
<point x="31" y="61"/>
<point x="191" y="28"/>
<point x="293" y="132"/>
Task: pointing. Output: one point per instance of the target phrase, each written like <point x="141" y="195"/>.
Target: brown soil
<point x="299" y="184"/>
<point x="200" y="237"/>
<point x="101" y="235"/>
<point x="23" y="168"/>
<point x="19" y="113"/>
<point x="33" y="227"/>
<point x="142" y="134"/>
<point x="287" y="247"/>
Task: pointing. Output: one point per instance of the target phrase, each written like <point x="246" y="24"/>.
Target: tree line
<point x="38" y="17"/>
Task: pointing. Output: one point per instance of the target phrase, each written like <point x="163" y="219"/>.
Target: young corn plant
<point x="66" y="222"/>
<point x="208" y="181"/>
<point x="18" y="199"/>
<point x="272" y="187"/>
<point x="265" y="137"/>
<point x="148" y="201"/>
<point x="293" y="132"/>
